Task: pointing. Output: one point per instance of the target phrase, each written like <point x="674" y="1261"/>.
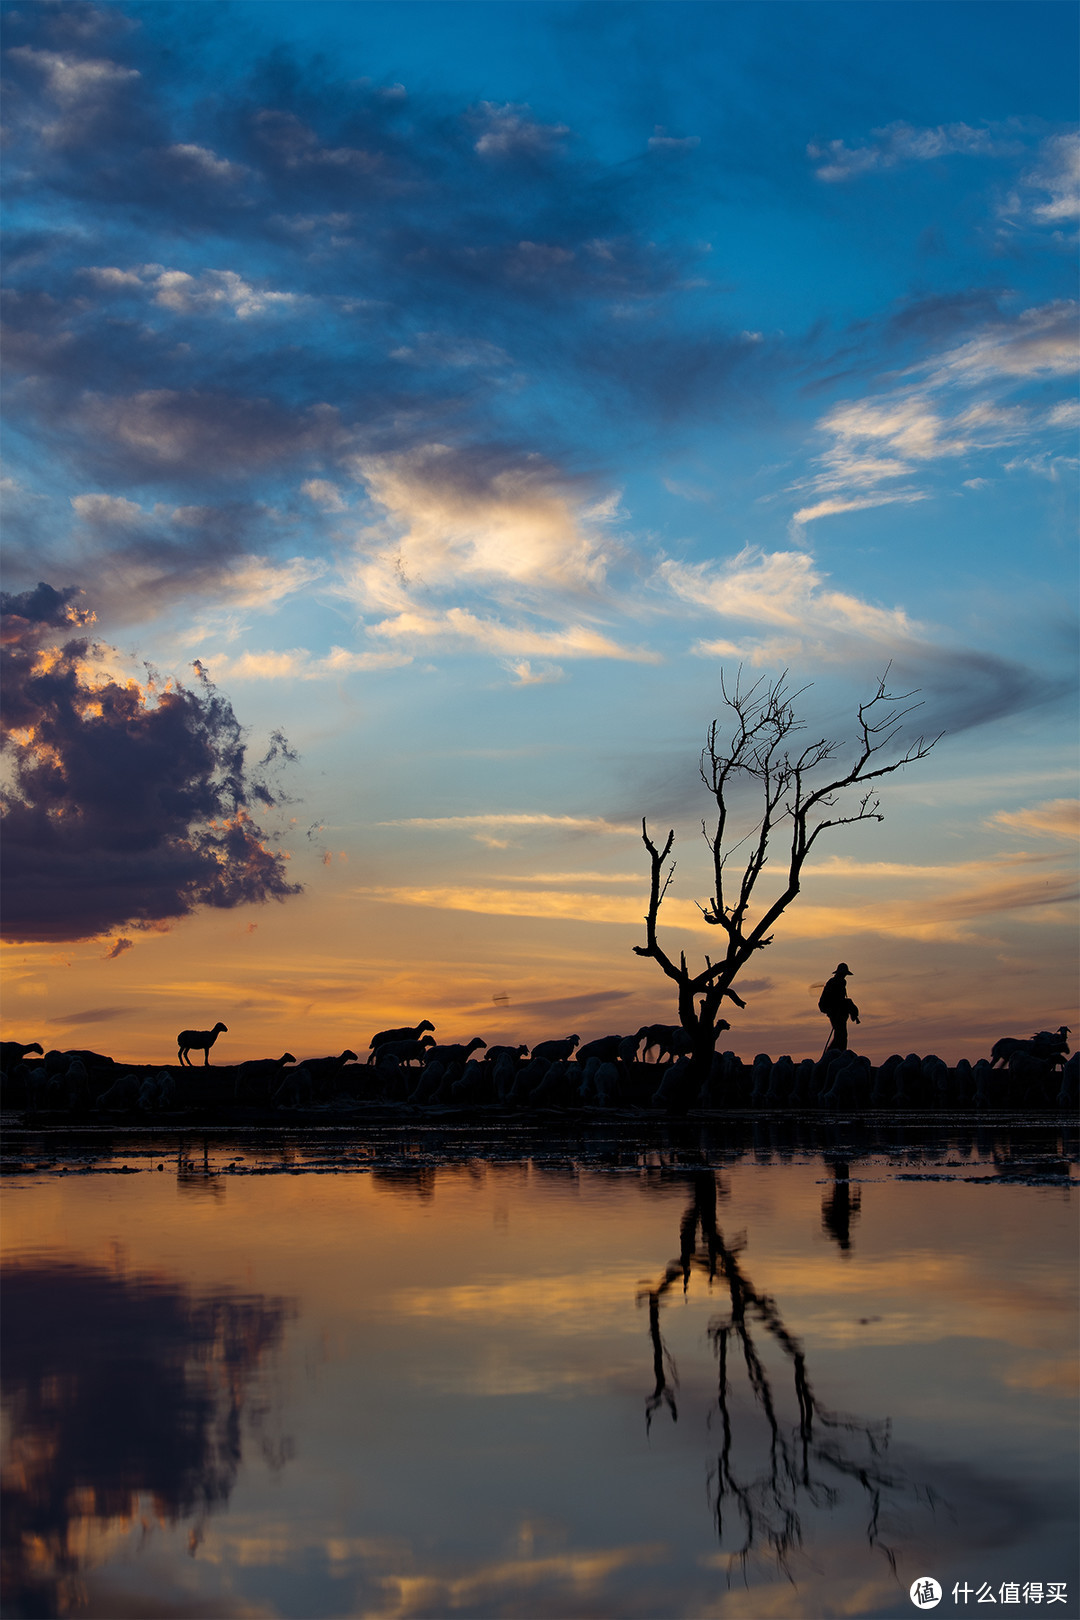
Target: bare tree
<point x="758" y="750"/>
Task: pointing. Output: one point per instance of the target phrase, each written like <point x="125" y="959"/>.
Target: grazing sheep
<point x="556" y="1051"/>
<point x="13" y="1052"/>
<point x="385" y="1035"/>
<point x="198" y="1040"/>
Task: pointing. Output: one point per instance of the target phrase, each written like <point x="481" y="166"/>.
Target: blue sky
<point x="463" y="386"/>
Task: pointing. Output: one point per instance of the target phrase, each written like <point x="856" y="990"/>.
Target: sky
<point x="412" y="409"/>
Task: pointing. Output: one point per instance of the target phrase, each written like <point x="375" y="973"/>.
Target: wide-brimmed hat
<point x="843" y="968"/>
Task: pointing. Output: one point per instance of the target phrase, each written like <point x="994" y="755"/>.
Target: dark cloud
<point x="127" y="804"/>
<point x="94" y="1015"/>
<point x="958" y="689"/>
<point x="400" y="250"/>
<point x="570" y="1007"/>
<point x="118" y="949"/>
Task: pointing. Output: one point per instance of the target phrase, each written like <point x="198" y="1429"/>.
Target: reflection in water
<point x="840" y="1205"/>
<point x="807" y="1459"/>
<point x="118" y="1386"/>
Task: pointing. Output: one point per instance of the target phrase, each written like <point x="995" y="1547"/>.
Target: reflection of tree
<point x="807" y="1461"/>
<point x="117" y="1386"/>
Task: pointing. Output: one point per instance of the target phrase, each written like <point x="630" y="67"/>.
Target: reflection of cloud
<point x="147" y="1398"/>
<point x="575" y="1575"/>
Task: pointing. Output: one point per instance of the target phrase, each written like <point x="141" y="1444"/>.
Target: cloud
<point x="955" y="406"/>
<point x="780" y="588"/>
<point x="128" y="803"/>
<point x="298" y="664"/>
<point x="206" y="163"/>
<point x="661" y="141"/>
<point x="900" y="143"/>
<point x="1049" y="193"/>
<point x="491" y="517"/>
<point x="509" y="131"/>
<point x="516" y="819"/>
<point x="325" y="494"/>
<point x="212" y="292"/>
<point x="1055" y="818"/>
<point x="457" y="626"/>
<point x="94" y="1015"/>
<point x="525" y="675"/>
<point x="120" y="946"/>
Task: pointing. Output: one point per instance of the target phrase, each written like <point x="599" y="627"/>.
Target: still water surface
<point x="679" y="1374"/>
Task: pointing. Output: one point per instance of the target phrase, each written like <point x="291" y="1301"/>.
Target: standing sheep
<point x="198" y="1040"/>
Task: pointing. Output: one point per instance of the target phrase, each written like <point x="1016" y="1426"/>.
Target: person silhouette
<point x="838" y="1007"/>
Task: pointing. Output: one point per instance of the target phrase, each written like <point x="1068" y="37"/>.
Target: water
<point x="683" y="1373"/>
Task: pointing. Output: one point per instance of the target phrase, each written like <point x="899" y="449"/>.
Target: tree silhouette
<point x="790" y="790"/>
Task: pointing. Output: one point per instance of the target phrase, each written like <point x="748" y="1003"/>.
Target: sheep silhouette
<point x="198" y="1040"/>
<point x="385" y="1035"/>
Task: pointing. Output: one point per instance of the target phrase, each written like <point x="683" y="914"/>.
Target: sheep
<point x="781" y="1080"/>
<point x="295" y="1088"/>
<point x="606" y="1049"/>
<point x="1045" y="1044"/>
<point x="13" y="1052"/>
<point x="554" y="1090"/>
<point x="404" y="1052"/>
<point x="504" y="1073"/>
<point x="606" y="1085"/>
<point x="495" y="1054"/>
<point x="400" y="1034"/>
<point x="556" y="1051"/>
<point x="256" y="1069"/>
<point x="121" y="1094"/>
<point x="446" y="1055"/>
<point x="669" y="1039"/>
<point x="196" y="1040"/>
<point x="324" y="1071"/>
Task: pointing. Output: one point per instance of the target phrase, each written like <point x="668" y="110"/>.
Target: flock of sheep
<point x="409" y="1066"/>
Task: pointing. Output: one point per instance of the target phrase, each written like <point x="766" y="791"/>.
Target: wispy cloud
<point x="299" y="664"/>
<point x="1055" y="818"/>
<point x="954" y="405"/>
<point x="514" y="819"/>
<point x="902" y="143"/>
